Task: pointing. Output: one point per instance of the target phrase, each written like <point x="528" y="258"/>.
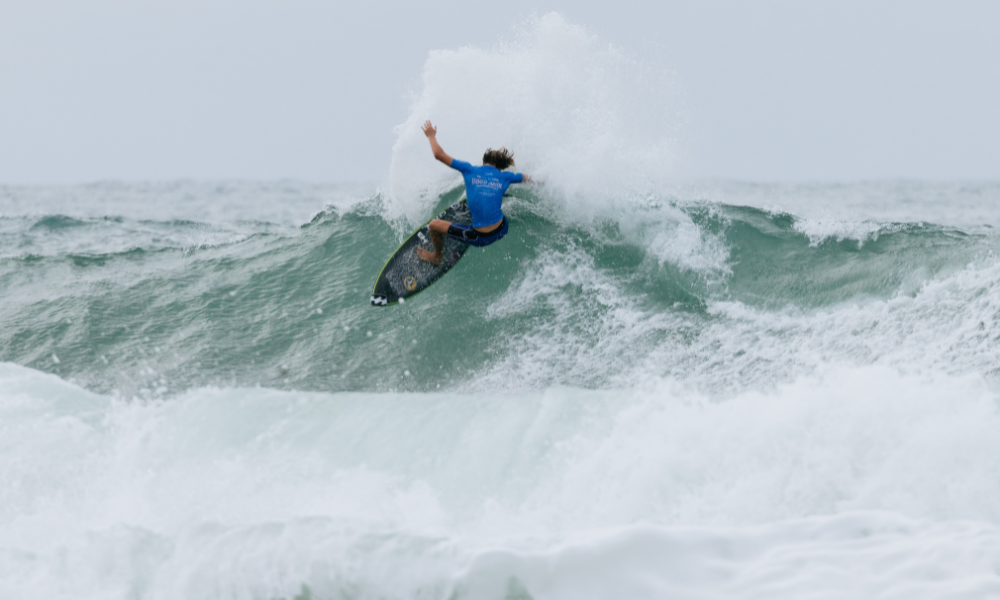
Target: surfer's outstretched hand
<point x="431" y="132"/>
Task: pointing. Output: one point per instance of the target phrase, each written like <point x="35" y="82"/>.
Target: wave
<point x="60" y="235"/>
<point x="689" y="290"/>
<point x="555" y="493"/>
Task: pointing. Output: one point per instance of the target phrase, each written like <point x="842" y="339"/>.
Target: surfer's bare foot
<point x="427" y="255"/>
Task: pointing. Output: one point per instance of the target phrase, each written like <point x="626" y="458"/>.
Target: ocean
<point x="651" y="388"/>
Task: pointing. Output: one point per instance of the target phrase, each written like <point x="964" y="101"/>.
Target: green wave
<point x="289" y="308"/>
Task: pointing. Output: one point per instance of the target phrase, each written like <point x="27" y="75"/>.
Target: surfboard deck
<point x="404" y="275"/>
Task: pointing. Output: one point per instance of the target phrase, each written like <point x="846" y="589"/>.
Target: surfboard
<point x="404" y="275"/>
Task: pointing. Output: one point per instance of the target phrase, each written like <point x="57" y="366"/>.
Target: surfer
<point x="484" y="188"/>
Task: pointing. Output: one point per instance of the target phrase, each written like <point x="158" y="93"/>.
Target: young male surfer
<point x="484" y="188"/>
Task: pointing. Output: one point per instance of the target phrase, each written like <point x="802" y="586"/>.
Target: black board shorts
<point x="467" y="235"/>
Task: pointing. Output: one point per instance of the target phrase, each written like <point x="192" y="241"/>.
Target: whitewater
<point x="651" y="388"/>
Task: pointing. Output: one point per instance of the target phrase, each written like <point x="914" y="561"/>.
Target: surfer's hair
<point x="500" y="159"/>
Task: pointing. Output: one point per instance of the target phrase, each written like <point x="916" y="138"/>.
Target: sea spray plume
<point x="596" y="126"/>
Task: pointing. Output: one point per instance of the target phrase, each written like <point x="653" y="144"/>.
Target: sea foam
<point x="562" y="493"/>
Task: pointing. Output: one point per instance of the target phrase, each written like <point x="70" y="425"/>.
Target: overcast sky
<point x="770" y="90"/>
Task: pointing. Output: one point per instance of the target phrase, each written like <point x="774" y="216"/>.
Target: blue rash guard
<point x="484" y="188"/>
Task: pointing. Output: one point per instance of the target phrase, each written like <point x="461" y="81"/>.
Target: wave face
<point x="716" y="296"/>
<point x="646" y="390"/>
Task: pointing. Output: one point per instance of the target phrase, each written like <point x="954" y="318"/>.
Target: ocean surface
<point x="652" y="388"/>
<point x="732" y="391"/>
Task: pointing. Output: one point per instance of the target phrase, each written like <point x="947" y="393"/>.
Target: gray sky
<point x="160" y="89"/>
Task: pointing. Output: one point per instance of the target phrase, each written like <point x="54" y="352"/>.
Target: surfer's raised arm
<point x="506" y="159"/>
<point x="431" y="132"/>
